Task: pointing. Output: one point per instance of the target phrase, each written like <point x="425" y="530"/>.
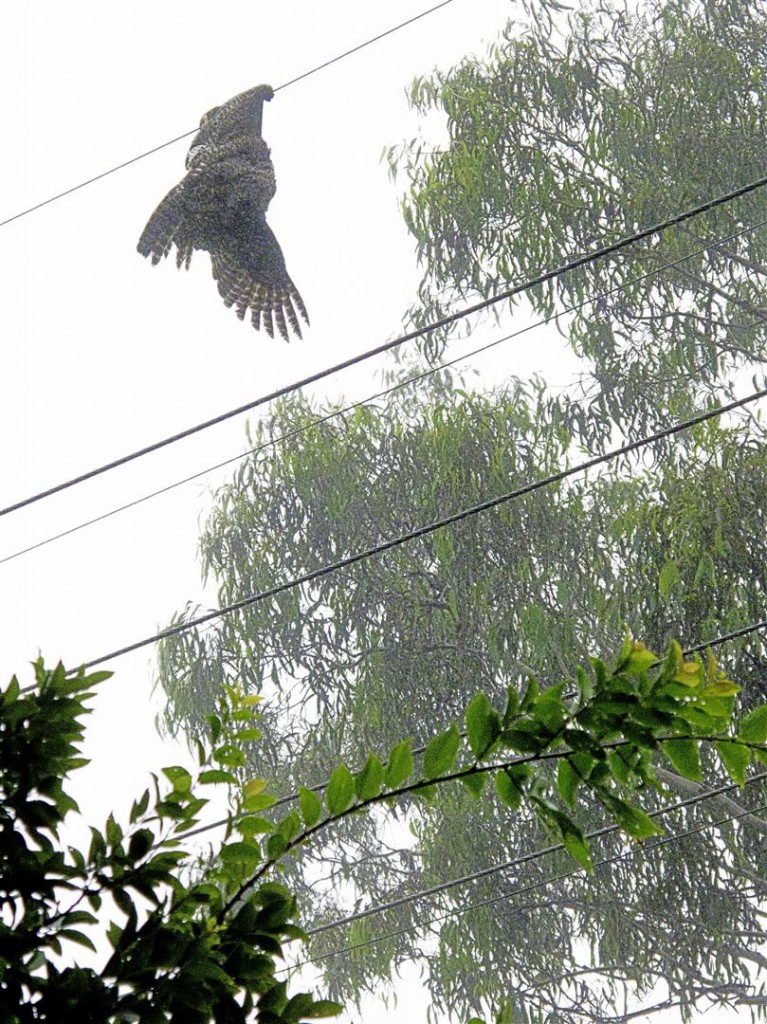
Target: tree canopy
<point x="570" y="136"/>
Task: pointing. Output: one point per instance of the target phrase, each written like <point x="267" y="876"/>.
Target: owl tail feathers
<point x="269" y="305"/>
<point x="166" y="228"/>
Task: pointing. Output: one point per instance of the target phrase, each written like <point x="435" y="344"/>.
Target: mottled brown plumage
<point x="220" y="206"/>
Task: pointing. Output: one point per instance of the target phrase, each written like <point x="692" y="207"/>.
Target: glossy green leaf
<point x="735" y="759"/>
<point x="685" y="757"/>
<point x="275" y="846"/>
<point x="258" y="802"/>
<point x="179" y="778"/>
<point x="76" y="936"/>
<point x="759" y="755"/>
<point x="139" y="807"/>
<point x="483" y="724"/>
<point x="248" y="735"/>
<point x="753" y="728"/>
<point x="439" y="756"/>
<point x="512" y="706"/>
<point x="631" y="819"/>
<point x="323" y="1008"/>
<point x="253" y="787"/>
<point x="368" y="782"/>
<point x="289" y="827"/>
<point x="214" y="775"/>
<point x="522" y="742"/>
<point x="585" y="684"/>
<point x="568" y="781"/>
<point x="215" y="726"/>
<point x="618" y="766"/>
<point x="311" y="806"/>
<point x="230" y="755"/>
<point x="340" y="791"/>
<point x="550" y="709"/>
<point x="572" y="838"/>
<point x="475" y="783"/>
<point x="253" y="825"/>
<point x="508" y="789"/>
<point x="240" y="852"/>
<point x="530" y="696"/>
<point x="639" y="659"/>
<point x="114" y="831"/>
<point x="401" y="765"/>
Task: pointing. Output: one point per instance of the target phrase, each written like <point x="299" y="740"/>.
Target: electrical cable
<point x="525" y="859"/>
<point x="361" y="46"/>
<point x="754" y="627"/>
<point x="508" y="293"/>
<point x="185" y="135"/>
<point x="415" y="379"/>
<point x="545" y="851"/>
<point x="430" y="528"/>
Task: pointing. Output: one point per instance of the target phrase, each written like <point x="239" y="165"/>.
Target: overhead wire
<point x="185" y="135"/>
<point x="361" y="46"/>
<point x="735" y="634"/>
<point x="398" y="385"/>
<point x="429" y="528"/>
<point x="444" y="321"/>
<point x="318" y="787"/>
<point x="518" y="862"/>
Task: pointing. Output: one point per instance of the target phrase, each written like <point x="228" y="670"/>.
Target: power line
<point x="524" y="859"/>
<point x="430" y="528"/>
<point x="185" y="135"/>
<point x="415" y="379"/>
<point x="319" y="786"/>
<point x="361" y="46"/>
<point x="400" y="340"/>
<point x="755" y="627"/>
<point x="527" y="858"/>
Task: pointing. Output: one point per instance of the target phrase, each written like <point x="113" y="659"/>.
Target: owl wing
<point x="169" y="226"/>
<point x="252" y="276"/>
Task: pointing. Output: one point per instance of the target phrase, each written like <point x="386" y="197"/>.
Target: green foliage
<point x="579" y="129"/>
<point x="753" y="728"/>
<point x="483" y="725"/>
<point x="205" y="950"/>
<point x="183" y="948"/>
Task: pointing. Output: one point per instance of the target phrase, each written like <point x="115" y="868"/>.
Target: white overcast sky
<point x="103" y="354"/>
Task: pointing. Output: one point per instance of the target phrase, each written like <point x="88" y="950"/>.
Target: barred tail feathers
<point x="277" y="302"/>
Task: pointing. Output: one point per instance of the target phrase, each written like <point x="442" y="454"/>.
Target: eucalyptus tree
<point x="570" y="134"/>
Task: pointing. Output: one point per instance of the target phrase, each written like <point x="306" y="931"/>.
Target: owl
<point x="220" y="206"/>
